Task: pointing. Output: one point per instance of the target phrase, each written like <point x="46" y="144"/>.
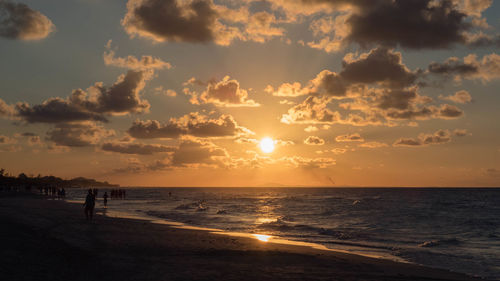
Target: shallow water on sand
<point x="455" y="229"/>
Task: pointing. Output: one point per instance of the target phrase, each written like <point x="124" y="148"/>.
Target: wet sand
<point x="51" y="240"/>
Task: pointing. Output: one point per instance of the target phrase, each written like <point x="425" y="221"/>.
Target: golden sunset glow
<point x="322" y="97"/>
<point x="266" y="145"/>
<point x="326" y="124"/>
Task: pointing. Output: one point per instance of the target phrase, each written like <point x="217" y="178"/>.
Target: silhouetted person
<point x="63" y="193"/>
<point x="105" y="197"/>
<point x="89" y="205"/>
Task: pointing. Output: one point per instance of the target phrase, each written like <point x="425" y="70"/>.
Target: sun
<point x="266" y="145"/>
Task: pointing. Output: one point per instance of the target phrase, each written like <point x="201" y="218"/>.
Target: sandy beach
<point x="51" y="240"/>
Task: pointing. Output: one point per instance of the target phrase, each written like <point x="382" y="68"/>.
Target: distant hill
<point x="24" y="180"/>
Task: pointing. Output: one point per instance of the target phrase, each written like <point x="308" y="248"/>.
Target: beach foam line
<point x="265" y="238"/>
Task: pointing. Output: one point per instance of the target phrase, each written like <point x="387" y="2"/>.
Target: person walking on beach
<point x="89" y="205"/>
<point x="105" y="197"/>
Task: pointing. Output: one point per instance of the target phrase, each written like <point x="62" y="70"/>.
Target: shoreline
<point x="258" y="236"/>
<point x="53" y="234"/>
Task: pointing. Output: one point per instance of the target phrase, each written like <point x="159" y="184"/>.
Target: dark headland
<point x="29" y="182"/>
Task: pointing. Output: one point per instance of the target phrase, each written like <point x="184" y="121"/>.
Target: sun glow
<point x="267" y="145"/>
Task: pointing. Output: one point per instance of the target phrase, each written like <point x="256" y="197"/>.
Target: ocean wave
<point x="201" y="208"/>
<point x="334" y="233"/>
<point x="289" y="228"/>
<point x="492" y="235"/>
<point x="276" y="226"/>
<point x="285" y="218"/>
<point x="187" y="206"/>
<point x="294" y="198"/>
<point x="442" y="242"/>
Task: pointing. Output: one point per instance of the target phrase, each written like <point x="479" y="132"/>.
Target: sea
<point x="457" y="229"/>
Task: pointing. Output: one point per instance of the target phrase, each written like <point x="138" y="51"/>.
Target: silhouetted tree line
<point x="23" y="180"/>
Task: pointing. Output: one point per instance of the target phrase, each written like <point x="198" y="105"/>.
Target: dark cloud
<point x="349" y="138"/>
<point x="193" y="153"/>
<point x="407" y="142"/>
<point x="171" y="20"/>
<point x="56" y="110"/>
<point x="77" y="135"/>
<point x="153" y="129"/>
<point x="485" y="69"/>
<point x="312" y="110"/>
<point x="136" y="148"/>
<point x="397" y="99"/>
<point x="121" y="98"/>
<point x="199" y="21"/>
<point x="452" y="66"/>
<point x="439" y="137"/>
<point x="447" y="111"/>
<point x="226" y="92"/>
<point x="193" y="124"/>
<point x="415" y="24"/>
<point x="373" y="107"/>
<point x="329" y="83"/>
<point x="423" y="113"/>
<point x="412" y="24"/>
<point x="401" y="104"/>
<point x="380" y="65"/>
<point x="225" y="126"/>
<point x="313" y="140"/>
<point x="28" y="134"/>
<point x="18" y="21"/>
<point x="376" y="88"/>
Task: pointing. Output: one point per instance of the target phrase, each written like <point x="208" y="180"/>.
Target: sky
<point x="182" y="92"/>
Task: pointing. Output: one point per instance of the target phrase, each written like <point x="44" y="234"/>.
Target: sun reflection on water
<point x="262" y="237"/>
<point x="265" y="220"/>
